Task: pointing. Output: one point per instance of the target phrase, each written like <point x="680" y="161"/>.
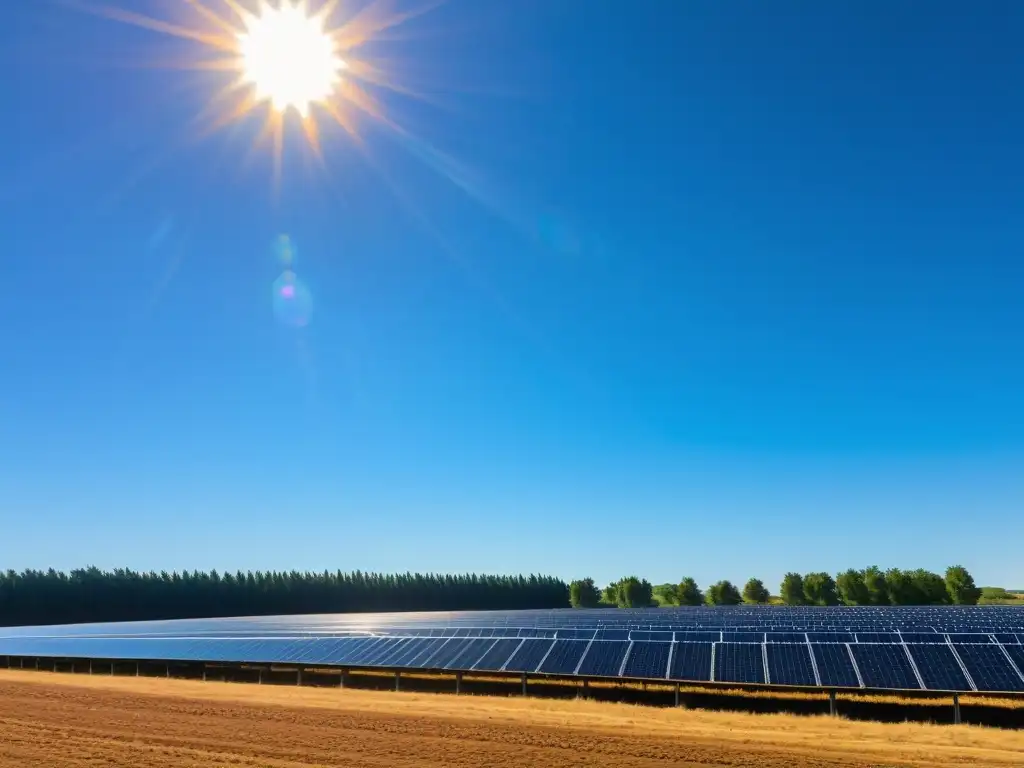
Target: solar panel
<point x="835" y="667"/>
<point x="830" y="637"/>
<point x="885" y="666"/>
<point x="743" y="637"/>
<point x="739" y="663"/>
<point x="564" y="656"/>
<point x="986" y="639"/>
<point x="790" y="665"/>
<point x="989" y="668"/>
<point x="938" y="667"/>
<point x="1016" y="654"/>
<point x="691" y="661"/>
<point x="497" y="655"/>
<point x="877" y="637"/>
<point x="786" y="637"/>
<point x="529" y="655"/>
<point x="648" y="660"/>
<point x="604" y="659"/>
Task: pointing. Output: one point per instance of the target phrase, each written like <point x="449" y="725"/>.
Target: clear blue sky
<point x="674" y="288"/>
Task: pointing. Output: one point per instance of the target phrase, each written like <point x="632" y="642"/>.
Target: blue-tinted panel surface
<point x="529" y="655"/>
<point x="786" y="637"/>
<point x="743" y="637"/>
<point x="989" y="668"/>
<point x="1001" y="637"/>
<point x="612" y="634"/>
<point x="497" y="655"/>
<point x="963" y="637"/>
<point x="648" y="660"/>
<point x="885" y="666"/>
<point x="604" y="658"/>
<point x="642" y="635"/>
<point x="929" y="638"/>
<point x="1016" y="652"/>
<point x="576" y="634"/>
<point x="830" y="637"/>
<point x="790" y="665"/>
<point x="698" y="637"/>
<point x="939" y="668"/>
<point x="447" y="652"/>
<point x="877" y="637"/>
<point x="739" y="663"/>
<point x="469" y="655"/>
<point x="834" y="665"/>
<point x="564" y="657"/>
<point x="691" y="661"/>
<point x="416" y="652"/>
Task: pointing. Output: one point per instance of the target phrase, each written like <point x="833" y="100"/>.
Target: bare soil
<point x="61" y="721"/>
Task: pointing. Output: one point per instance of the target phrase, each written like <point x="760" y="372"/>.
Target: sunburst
<point x="282" y="57"/>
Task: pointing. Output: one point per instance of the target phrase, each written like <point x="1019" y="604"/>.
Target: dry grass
<point x="748" y="693"/>
<point x="62" y="721"/>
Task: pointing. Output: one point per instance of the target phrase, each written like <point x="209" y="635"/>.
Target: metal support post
<point x="90" y="667"/>
<point x="398" y="681"/>
<point x="524" y="683"/>
<point x="37" y="663"/>
<point x="586" y="689"/>
<point x="458" y="683"/>
<point x="259" y="679"/>
<point x="298" y="676"/>
<point x="168" y="670"/>
<point x="832" y="703"/>
<point x="956" y="709"/>
<point x="341" y="684"/>
<point x="677" y="694"/>
<point x="113" y="666"/>
<point x="136" y="669"/>
<point x="204" y="673"/>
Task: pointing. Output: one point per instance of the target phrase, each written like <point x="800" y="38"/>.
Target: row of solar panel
<point x="957" y="667"/>
<point x="1006" y="638"/>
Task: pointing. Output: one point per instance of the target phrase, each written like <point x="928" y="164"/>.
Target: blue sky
<point x="672" y="288"/>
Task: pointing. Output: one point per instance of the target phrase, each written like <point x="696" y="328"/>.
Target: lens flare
<point x="292" y="301"/>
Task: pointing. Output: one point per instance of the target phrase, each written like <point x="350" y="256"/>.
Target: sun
<point x="288" y="58"/>
<point x="281" y="57"/>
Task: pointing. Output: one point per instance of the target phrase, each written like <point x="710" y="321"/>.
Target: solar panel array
<point x="942" y="648"/>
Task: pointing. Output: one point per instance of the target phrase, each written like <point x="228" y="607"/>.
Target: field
<point x="63" y="721"/>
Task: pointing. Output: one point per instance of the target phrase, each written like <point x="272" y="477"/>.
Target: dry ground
<point x="61" y="721"/>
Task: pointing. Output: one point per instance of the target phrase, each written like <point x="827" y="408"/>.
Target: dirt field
<point x="61" y="720"/>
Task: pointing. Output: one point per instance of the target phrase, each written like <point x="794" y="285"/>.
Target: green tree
<point x="792" y="589"/>
<point x="929" y="587"/>
<point x="900" y="587"/>
<point x="610" y="594"/>
<point x="666" y="594"/>
<point x="723" y="593"/>
<point x="820" y="589"/>
<point x="754" y="591"/>
<point x="874" y="583"/>
<point x="852" y="589"/>
<point x="634" y="593"/>
<point x="583" y="594"/>
<point x="960" y="586"/>
<point x="688" y="593"/>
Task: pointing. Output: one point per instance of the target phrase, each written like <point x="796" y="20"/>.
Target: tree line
<point x="870" y="586"/>
<point x="93" y="595"/>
